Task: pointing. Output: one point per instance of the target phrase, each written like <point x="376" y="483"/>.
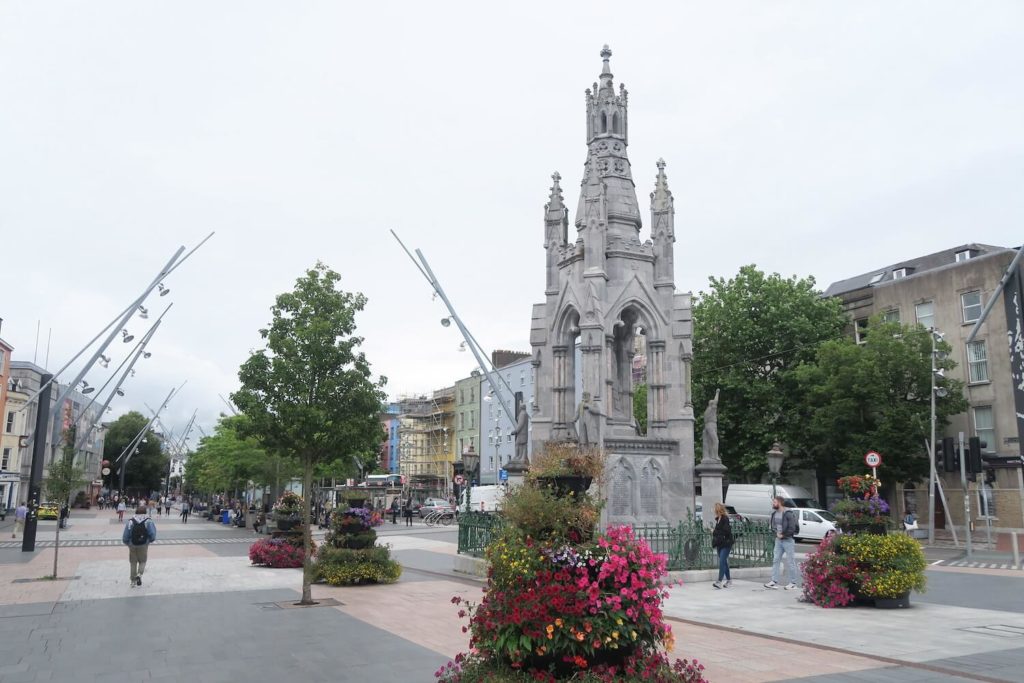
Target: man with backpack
<point x="139" y="532"/>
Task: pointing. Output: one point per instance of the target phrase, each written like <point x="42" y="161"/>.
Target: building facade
<point x="497" y="444"/>
<point x="947" y="291"/>
<point x="10" y="402"/>
<point x="78" y="410"/>
<point x="427" y="442"/>
<point x="467" y="413"/>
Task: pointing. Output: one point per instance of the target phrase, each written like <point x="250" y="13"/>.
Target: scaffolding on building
<point x="426" y="439"/>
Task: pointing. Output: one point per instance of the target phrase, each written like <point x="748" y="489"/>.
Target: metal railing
<point x="477" y="530"/>
<point x="687" y="544"/>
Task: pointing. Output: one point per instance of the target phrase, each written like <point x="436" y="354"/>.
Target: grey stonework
<point x="601" y="291"/>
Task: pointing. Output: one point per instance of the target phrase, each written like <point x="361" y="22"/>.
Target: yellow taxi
<point x="48" y="511"/>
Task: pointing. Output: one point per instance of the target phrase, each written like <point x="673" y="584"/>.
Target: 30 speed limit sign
<point x="872" y="459"/>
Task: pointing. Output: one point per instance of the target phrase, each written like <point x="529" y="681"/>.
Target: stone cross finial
<point x="556" y="176"/>
<point x="606" y="54"/>
<point x="661" y="164"/>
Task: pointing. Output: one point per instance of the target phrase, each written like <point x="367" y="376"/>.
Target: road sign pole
<point x="967" y="495"/>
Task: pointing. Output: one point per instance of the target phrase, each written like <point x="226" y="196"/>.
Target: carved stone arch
<point x="563" y="371"/>
<point x="646" y="318"/>
<point x="604" y="122"/>
<point x="615" y="123"/>
<point x="567" y="324"/>
<point x="622" y="489"/>
<point x="650" y="488"/>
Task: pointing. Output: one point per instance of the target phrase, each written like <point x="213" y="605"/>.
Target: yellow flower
<point x="618" y="622"/>
<point x="558" y="623"/>
<point x="550" y="628"/>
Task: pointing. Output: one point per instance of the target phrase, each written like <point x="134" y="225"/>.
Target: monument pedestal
<point x="516" y="473"/>
<point x="710" y="474"/>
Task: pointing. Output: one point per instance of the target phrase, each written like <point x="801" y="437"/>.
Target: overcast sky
<point x="810" y="138"/>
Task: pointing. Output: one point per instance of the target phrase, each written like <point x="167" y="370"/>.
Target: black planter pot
<point x="565" y="485"/>
<point x="288" y="523"/>
<point x="893" y="603"/>
<point x="865" y="528"/>
<point x="563" y="669"/>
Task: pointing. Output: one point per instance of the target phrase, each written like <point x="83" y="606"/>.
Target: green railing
<point x="687" y="545"/>
<point x="477" y="530"/>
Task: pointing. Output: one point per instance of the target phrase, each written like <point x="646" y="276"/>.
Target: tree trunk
<point x="307" y="534"/>
<point x="56" y="546"/>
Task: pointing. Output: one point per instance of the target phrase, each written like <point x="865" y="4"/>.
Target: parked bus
<point x="388" y="480"/>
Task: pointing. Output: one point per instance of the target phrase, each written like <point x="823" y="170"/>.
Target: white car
<point x="815" y="524"/>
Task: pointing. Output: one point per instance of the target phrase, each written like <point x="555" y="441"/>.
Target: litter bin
<point x="225" y="517"/>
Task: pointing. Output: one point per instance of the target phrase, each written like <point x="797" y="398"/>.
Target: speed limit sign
<point x="459" y="479"/>
<point x="872" y="459"/>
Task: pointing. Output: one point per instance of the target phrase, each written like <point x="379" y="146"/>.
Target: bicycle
<point x="442" y="517"/>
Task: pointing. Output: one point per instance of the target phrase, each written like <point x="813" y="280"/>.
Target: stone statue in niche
<point x="710" y="443"/>
<point x="585" y="422"/>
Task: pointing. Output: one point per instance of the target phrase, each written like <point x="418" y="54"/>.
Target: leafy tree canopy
<point x="231" y="457"/>
<point x="750" y="332"/>
<point x="148" y="466"/>
<point x="874" y="396"/>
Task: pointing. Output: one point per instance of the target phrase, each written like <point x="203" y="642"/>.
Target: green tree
<point x="640" y="406"/>
<point x="750" y="332"/>
<point x="148" y="465"/>
<point x="62" y="478"/>
<point x="310" y="393"/>
<point x="875" y="396"/>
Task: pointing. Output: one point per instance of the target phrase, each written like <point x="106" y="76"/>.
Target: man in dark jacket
<point x="138" y="533"/>
<point x="785" y="525"/>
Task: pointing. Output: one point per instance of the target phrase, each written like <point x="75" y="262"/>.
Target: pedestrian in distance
<point x="407" y="511"/>
<point x="121" y="507"/>
<point x="138" y="533"/>
<point x="167" y="506"/>
<point x="20" y="515"/>
<point x="152" y="505"/>
<point x="395" y="507"/>
<point x="185" y="508"/>
<point x="785" y="525"/>
<point x="910" y="523"/>
<point x="721" y="541"/>
<point x="65" y="512"/>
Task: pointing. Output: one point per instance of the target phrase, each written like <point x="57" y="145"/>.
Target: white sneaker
<point x="728" y="584"/>
<point x="716" y="584"/>
<point x="772" y="585"/>
<point x="791" y="586"/>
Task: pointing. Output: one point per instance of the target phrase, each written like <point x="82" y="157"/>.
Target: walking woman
<point x="721" y="541"/>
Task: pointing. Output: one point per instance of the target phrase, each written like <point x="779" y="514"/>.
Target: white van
<point x="754" y="501"/>
<point x="483" y="498"/>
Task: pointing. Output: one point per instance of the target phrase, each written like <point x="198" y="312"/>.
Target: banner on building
<point x="1013" y="300"/>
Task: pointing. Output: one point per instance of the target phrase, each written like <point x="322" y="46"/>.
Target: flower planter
<point x="879" y="529"/>
<point x="563" y="669"/>
<point x="568" y="485"/>
<point x="288" y="523"/>
<point x="893" y="603"/>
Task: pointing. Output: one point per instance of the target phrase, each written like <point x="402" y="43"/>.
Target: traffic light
<point x="950" y="456"/>
<point x="974" y="446"/>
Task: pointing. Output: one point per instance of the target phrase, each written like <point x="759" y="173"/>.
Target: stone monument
<point x="602" y="291"/>
<point x="710" y="470"/>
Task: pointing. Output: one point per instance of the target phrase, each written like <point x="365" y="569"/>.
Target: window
<point x="986" y="501"/>
<point x="490" y="436"/>
<point x="860" y="330"/>
<point x="925" y="313"/>
<point x="891" y="316"/>
<point x="971" y="302"/>
<point x="462" y="420"/>
<point x="899" y="273"/>
<point x="471" y="425"/>
<point x="10" y="422"/>
<point x="472" y="392"/>
<point x="962" y="256"/>
<point x="984" y="427"/>
<point x="462" y="446"/>
<point x="977" y="362"/>
<point x="5" y="461"/>
<point x="522" y="378"/>
<point x="462" y="396"/>
<point x="877" y="277"/>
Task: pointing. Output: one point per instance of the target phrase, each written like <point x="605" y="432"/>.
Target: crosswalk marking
<point x="972" y="565"/>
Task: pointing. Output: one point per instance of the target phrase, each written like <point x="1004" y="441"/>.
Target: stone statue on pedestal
<point x="585" y="421"/>
<point x="709" y="446"/>
<point x="522" y="432"/>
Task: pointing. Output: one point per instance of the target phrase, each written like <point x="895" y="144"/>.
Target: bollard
<point x="1016" y="550"/>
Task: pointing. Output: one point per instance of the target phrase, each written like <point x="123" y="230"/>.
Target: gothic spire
<point x="661" y="198"/>
<point x="555" y="208"/>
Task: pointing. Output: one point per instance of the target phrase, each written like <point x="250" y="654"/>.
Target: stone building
<point x="497" y="443"/>
<point x="427" y="442"/>
<point x="947" y="291"/>
<point x="602" y="289"/>
<point x="467" y="413"/>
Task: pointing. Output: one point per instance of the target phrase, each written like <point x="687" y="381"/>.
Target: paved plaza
<point x="205" y="615"/>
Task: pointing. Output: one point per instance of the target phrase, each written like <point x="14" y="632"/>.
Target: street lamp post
<point x="470" y="460"/>
<point x="775" y="458"/>
<point x="937" y="391"/>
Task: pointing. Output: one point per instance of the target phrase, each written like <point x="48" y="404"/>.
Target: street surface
<point x="205" y="615"/>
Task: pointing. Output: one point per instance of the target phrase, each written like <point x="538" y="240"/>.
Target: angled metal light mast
<point x="130" y="449"/>
<point x="478" y="353"/>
